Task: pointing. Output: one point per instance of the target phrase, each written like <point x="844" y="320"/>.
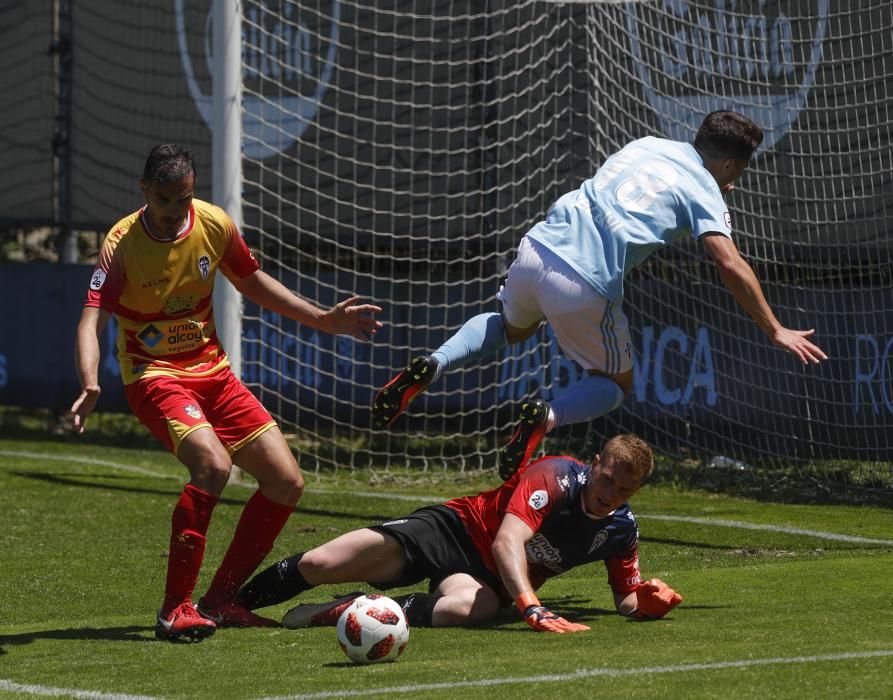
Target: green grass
<point x="83" y="561"/>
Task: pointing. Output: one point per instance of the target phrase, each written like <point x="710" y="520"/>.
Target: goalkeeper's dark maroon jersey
<point x="546" y="496"/>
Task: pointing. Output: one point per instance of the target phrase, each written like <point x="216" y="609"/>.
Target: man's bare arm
<point x="740" y="280"/>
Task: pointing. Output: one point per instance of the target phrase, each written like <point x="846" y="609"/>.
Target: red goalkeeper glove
<point x="656" y="599"/>
<point x="542" y="619"/>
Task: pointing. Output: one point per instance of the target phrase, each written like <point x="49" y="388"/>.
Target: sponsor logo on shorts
<point x="98" y="279"/>
<point x="204" y="264"/>
<point x="538" y="499"/>
<point x="402" y="521"/>
<point x="192" y="411"/>
<point x="150" y="336"/>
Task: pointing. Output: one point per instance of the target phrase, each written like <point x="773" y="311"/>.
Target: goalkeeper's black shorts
<point x="436" y="545"/>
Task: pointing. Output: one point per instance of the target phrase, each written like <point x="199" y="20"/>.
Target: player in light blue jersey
<point x="570" y="269"/>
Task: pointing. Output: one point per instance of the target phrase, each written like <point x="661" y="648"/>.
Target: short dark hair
<point x="725" y="134"/>
<point x="167" y="163"/>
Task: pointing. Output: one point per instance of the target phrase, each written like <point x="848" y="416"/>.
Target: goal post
<point x="401" y="152"/>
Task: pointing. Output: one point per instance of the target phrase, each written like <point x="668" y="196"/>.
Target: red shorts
<point x="172" y="407"/>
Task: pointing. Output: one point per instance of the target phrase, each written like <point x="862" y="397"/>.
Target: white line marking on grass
<point x="586" y="673"/>
<point x="85" y="460"/>
<point x="775" y="528"/>
<point x="11" y="687"/>
<point x="855" y="539"/>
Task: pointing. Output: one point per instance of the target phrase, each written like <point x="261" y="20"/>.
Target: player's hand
<point x="349" y="318"/>
<point x="544" y="620"/>
<point x="797" y="343"/>
<point x="656" y="599"/>
<point x="83" y="407"/>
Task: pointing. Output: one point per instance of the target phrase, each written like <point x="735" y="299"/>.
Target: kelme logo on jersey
<point x="288" y="57"/>
<point x="150" y="336"/>
<point x="745" y="55"/>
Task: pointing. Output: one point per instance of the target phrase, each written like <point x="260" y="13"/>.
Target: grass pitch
<point x="781" y="601"/>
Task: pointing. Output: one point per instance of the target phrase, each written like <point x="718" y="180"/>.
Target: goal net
<point x="400" y="153"/>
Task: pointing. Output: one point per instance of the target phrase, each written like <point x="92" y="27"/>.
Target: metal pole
<point x="60" y="50"/>
<point x="226" y="180"/>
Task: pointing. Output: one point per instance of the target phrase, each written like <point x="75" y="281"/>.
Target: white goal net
<point x="400" y="153"/>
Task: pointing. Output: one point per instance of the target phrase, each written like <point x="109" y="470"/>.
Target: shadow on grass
<point x="371" y="519"/>
<point x="73" y="482"/>
<point x="113" y="634"/>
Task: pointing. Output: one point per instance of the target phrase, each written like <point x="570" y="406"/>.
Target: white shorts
<point x="591" y="330"/>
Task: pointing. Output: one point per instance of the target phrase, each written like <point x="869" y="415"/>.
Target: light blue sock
<point x="479" y="336"/>
<point x="591" y="397"/>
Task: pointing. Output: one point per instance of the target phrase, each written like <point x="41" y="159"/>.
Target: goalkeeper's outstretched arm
<point x="511" y="560"/>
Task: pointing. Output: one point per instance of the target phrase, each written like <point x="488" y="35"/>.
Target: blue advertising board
<point x="705" y="372"/>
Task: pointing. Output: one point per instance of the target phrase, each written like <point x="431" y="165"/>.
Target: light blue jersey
<point x="647" y="195"/>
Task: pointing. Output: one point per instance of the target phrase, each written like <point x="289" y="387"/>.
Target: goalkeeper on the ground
<point x="482" y="553"/>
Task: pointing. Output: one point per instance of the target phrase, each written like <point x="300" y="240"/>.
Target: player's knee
<point x="292" y="487"/>
<point x="210" y="473"/>
<point x="281" y="480"/>
<point x="515" y="335"/>
<point x="316" y="561"/>
<point x="624" y="380"/>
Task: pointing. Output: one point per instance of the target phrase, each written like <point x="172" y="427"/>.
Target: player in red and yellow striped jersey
<point x="156" y="274"/>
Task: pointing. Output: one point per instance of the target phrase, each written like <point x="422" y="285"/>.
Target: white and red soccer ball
<point x="373" y="629"/>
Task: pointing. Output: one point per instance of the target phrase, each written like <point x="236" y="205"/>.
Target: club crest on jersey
<point x="192" y="411"/>
<point x="600" y="538"/>
<point x="204" y="266"/>
<point x="538" y="499"/>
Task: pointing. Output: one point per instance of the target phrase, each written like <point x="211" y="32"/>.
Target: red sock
<point x="189" y="524"/>
<point x="261" y="522"/>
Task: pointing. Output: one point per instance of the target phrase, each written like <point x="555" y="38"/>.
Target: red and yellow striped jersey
<point x="160" y="291"/>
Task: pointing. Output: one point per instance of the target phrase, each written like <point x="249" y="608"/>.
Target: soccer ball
<point x="372" y="629"/>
